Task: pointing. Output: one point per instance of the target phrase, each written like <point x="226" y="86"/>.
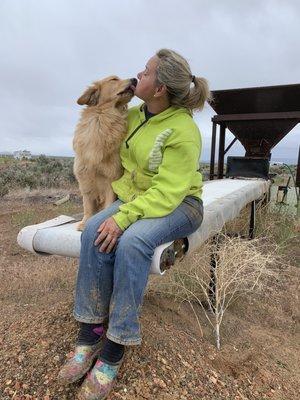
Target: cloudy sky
<point x="50" y="50"/>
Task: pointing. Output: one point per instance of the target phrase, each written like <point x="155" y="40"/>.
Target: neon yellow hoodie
<point x="160" y="159"/>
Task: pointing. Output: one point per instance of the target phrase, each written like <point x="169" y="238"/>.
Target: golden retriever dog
<point x="97" y="140"/>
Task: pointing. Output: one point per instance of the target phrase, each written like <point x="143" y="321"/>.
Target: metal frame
<point x="221" y="152"/>
<point x="222" y="120"/>
<point x="247" y="100"/>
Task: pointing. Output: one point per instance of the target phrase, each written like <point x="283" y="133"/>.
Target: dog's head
<point x="111" y="90"/>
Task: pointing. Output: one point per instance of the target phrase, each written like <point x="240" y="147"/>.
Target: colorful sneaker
<point x="80" y="363"/>
<point x="99" y="382"/>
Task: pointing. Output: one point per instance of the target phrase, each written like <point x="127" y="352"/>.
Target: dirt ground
<point x="259" y="357"/>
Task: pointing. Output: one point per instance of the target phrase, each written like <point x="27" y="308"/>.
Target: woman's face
<point x="147" y="85"/>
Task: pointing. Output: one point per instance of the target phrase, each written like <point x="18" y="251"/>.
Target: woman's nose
<point x="139" y="75"/>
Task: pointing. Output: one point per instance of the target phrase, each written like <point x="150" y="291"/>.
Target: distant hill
<point x="10" y="154"/>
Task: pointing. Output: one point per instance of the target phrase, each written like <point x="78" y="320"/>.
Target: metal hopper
<point x="258" y="117"/>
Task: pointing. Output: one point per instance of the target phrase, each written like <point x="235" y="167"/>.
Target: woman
<point x="159" y="200"/>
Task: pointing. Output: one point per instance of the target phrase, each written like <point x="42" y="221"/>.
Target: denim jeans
<point x="112" y="285"/>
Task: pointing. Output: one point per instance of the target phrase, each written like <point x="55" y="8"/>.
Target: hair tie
<point x="193" y="78"/>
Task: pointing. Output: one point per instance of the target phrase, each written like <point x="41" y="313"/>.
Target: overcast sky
<point x="50" y="50"/>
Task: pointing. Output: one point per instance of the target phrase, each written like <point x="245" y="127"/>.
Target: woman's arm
<point x="169" y="186"/>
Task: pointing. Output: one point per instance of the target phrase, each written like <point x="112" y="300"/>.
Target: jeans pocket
<point x="193" y="208"/>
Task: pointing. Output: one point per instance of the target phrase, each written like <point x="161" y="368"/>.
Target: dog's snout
<point x="134" y="81"/>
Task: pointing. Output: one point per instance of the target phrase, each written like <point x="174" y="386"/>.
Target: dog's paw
<point x="80" y="226"/>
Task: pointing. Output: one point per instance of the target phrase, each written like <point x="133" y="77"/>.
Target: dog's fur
<point x="98" y="136"/>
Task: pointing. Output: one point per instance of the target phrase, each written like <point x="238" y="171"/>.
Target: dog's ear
<point x="90" y="97"/>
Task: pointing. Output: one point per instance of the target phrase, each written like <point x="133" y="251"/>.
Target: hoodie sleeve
<point x="168" y="187"/>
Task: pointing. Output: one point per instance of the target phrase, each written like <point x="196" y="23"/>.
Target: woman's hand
<point x="109" y="233"/>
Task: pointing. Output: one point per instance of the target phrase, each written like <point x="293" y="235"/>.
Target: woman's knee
<point x="91" y="227"/>
<point x="97" y="219"/>
<point x="131" y="241"/>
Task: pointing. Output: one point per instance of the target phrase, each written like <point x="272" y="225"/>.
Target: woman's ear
<point x="161" y="90"/>
<point x="90" y="97"/>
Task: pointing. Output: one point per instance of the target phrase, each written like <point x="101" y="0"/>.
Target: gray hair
<point x="174" y="71"/>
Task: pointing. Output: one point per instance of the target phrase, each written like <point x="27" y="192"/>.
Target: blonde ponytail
<point x="174" y="72"/>
<point x="198" y="95"/>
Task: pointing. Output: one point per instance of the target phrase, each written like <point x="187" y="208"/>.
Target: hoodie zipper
<point x="136" y="129"/>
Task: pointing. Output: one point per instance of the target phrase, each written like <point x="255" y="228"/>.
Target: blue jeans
<point x="112" y="285"/>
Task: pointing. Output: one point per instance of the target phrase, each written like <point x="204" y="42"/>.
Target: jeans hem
<point x="125" y="342"/>
<point x="89" y="320"/>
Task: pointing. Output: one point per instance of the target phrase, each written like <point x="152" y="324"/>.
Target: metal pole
<point x="297" y="184"/>
<point x="221" y="151"/>
<point x="252" y="220"/>
<point x="212" y="152"/>
<point x="230" y="145"/>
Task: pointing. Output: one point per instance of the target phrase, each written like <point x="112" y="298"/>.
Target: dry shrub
<point x="278" y="226"/>
<point x="241" y="266"/>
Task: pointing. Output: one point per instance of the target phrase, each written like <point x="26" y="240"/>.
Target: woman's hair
<point x="174" y="72"/>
